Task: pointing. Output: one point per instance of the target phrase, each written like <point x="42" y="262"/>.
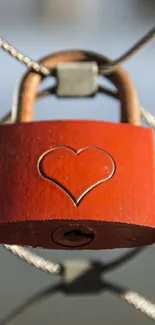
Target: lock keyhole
<point x="77" y="235"/>
<point x="73" y="236"/>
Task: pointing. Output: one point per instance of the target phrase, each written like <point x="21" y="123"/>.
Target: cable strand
<point x="34" y="260"/>
<point x="109" y="67"/>
<point x="31" y="64"/>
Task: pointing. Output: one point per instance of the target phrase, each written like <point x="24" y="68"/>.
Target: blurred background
<point x="38" y="28"/>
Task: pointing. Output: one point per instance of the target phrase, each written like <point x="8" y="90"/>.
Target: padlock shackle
<point x="130" y="109"/>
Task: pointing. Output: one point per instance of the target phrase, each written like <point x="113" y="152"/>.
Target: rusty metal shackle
<point x="130" y="110"/>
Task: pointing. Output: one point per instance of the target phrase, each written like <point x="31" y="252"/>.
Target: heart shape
<point x="76" y="172"/>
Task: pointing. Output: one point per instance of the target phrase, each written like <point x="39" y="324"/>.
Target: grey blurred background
<point x="38" y="28"/>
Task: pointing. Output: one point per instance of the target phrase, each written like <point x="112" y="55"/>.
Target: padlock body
<point x="77" y="185"/>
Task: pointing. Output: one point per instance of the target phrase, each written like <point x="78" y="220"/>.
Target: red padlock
<point x="77" y="184"/>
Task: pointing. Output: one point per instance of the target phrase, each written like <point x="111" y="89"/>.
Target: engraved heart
<point x="76" y="172"/>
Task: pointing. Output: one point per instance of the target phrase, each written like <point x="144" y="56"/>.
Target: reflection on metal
<point x="80" y="278"/>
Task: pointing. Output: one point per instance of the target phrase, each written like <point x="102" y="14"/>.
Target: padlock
<point x="77" y="184"/>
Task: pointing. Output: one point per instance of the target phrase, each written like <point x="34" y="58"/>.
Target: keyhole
<point x="77" y="235"/>
<point x="73" y="236"/>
